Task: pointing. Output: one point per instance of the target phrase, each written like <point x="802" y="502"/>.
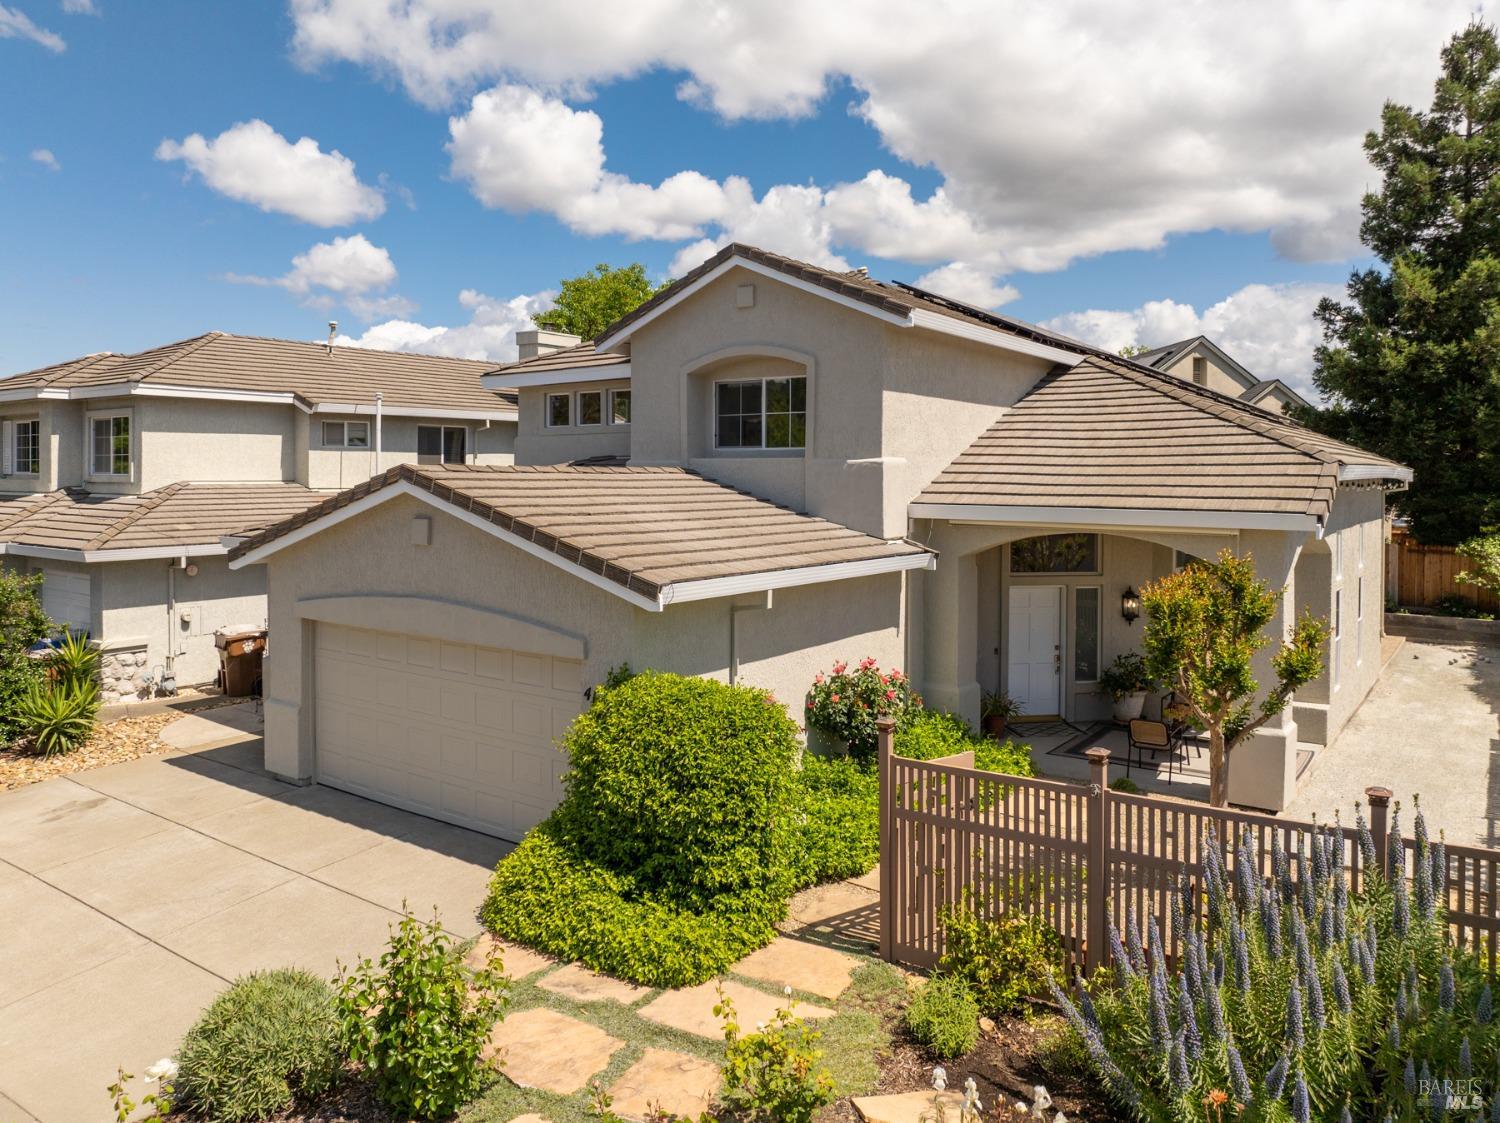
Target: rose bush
<point x="845" y="704"/>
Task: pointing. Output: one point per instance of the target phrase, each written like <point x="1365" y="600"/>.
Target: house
<point x="770" y="467"/>
<point x="120" y="474"/>
<point x="1204" y="363"/>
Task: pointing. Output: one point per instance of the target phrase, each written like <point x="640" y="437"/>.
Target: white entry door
<point x="1034" y="651"/>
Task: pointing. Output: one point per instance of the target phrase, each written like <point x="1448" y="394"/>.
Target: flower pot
<point x="994" y="727"/>
<point x="1129" y="707"/>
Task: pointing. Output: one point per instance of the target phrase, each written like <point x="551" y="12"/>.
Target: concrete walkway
<point x="131" y="895"/>
<point x="1431" y="727"/>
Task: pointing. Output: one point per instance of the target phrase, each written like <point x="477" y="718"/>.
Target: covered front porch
<point x="1038" y="610"/>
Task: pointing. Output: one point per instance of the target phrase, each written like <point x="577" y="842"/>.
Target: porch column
<point x="1263" y="769"/>
<point x="950" y="634"/>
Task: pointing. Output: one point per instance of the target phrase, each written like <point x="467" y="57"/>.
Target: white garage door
<point x="460" y="733"/>
<point x="66" y="598"/>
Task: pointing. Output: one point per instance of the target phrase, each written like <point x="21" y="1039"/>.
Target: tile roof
<point x="180" y="514"/>
<point x="312" y="372"/>
<point x="1110" y="434"/>
<point x="642" y="528"/>
<point x="565" y="358"/>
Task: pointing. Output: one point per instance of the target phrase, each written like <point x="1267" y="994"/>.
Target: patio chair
<point x="1155" y="737"/>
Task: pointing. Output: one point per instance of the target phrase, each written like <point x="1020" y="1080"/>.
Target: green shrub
<point x="1002" y="961"/>
<point x="269" y="1038"/>
<point x="929" y="734"/>
<point x="58" y="717"/>
<point x="773" y="1075"/>
<point x="1332" y="1001"/>
<point x="844" y="704"/>
<point x="944" y="1016"/>
<point x="74" y="659"/>
<point x="837" y="826"/>
<point x="417" y="1019"/>
<point x="687" y="784"/>
<point x="1125" y="784"/>
<point x="22" y="625"/>
<point x="1483" y="555"/>
<point x="546" y="896"/>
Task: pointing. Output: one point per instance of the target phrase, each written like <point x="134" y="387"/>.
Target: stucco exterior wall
<point x="780" y="648"/>
<point x="202" y="441"/>
<point x="335" y="468"/>
<point x="1354" y="540"/>
<point x="537" y="443"/>
<point x="1219" y="379"/>
<point x="131" y="602"/>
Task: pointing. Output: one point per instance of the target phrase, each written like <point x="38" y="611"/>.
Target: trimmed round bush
<point x="269" y="1038"/>
<point x="944" y="1017"/>
<point x="685" y="783"/>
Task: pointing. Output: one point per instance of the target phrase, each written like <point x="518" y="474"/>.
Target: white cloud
<point x="1269" y="329"/>
<point x="349" y="271"/>
<point x="44" y="157"/>
<point x="16" y="24"/>
<point x="968" y="284"/>
<point x="80" y="7"/>
<point x="253" y="163"/>
<point x="489" y="334"/>
<point x="1058" y="130"/>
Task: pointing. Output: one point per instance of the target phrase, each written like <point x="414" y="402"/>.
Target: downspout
<point x="379" y="418"/>
<point x="734" y="633"/>
<point x="485" y="428"/>
<point x="168" y="684"/>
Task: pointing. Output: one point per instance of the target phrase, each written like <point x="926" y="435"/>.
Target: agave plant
<point x="59" y="717"/>
<point x="1294" y="995"/>
<point x="75" y="659"/>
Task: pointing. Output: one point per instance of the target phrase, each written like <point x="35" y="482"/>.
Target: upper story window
<point x="109" y="445"/>
<point x="346" y="434"/>
<point x="559" y="410"/>
<point x="761" y="413"/>
<point x="441" y="444"/>
<point x="1056" y="553"/>
<point x="619" y="407"/>
<point x="27" y="456"/>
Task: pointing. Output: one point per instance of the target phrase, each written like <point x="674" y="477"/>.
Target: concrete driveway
<point x="1431" y="727"/>
<point x="130" y="895"/>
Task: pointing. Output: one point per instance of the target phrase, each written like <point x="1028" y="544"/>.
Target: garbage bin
<point x="240" y="652"/>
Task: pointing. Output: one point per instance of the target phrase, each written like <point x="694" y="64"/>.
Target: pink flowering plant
<point x="845" y="702"/>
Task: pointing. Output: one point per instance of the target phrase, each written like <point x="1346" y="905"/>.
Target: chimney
<point x="543" y="341"/>
<point x="333" y="331"/>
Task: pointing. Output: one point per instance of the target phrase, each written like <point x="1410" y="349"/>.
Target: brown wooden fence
<point x="1075" y="854"/>
<point x="1419" y="576"/>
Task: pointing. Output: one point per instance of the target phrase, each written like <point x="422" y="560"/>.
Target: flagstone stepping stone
<point x="908" y="1107"/>
<point x="577" y="982"/>
<point x="668" y="1081"/>
<point x="801" y="966"/>
<point x="840" y="906"/>
<point x="692" y="1008"/>
<point x="531" y="1118"/>
<point x="517" y="961"/>
<point x="540" y="1048"/>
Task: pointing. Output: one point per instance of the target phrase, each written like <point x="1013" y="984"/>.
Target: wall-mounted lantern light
<point x="1130" y="605"/>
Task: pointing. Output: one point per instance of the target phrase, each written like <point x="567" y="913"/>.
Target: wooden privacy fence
<point x="1419" y="576"/>
<point x="954" y="836"/>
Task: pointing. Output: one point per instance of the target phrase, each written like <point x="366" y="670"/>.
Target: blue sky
<point x="107" y="247"/>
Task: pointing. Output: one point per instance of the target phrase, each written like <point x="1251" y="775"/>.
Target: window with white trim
<point x="1338" y="629"/>
<point x="1359" y="621"/>
<point x="1336" y="546"/>
<point x="441" y="444"/>
<point x="26" y="457"/>
<point x="619" y="407"/>
<point x="591" y="407"/>
<point x="109" y="445"/>
<point x="346" y="434"/>
<point x="559" y="410"/>
<point x="761" y="413"/>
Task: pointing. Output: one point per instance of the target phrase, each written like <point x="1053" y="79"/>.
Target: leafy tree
<point x="1411" y="361"/>
<point x="1204" y="626"/>
<point x="22" y="623"/>
<point x="1482" y="552"/>
<point x="590" y="302"/>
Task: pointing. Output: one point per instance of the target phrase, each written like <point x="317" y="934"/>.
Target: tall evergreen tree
<point x="1410" y="364"/>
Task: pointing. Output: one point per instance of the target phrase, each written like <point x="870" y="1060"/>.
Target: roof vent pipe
<point x="333" y="330"/>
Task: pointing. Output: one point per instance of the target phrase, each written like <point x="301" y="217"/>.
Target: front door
<point x="1034" y="651"/>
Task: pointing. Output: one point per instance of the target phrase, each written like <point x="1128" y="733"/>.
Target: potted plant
<point x="1127" y="682"/>
<point x="997" y="710"/>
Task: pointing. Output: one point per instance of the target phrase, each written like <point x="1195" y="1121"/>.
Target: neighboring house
<point x="765" y="469"/>
<point x="123" y="473"/>
<point x="1203" y="362"/>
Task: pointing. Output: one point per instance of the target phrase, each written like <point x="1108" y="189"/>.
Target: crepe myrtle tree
<point x="1204" y="625"/>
